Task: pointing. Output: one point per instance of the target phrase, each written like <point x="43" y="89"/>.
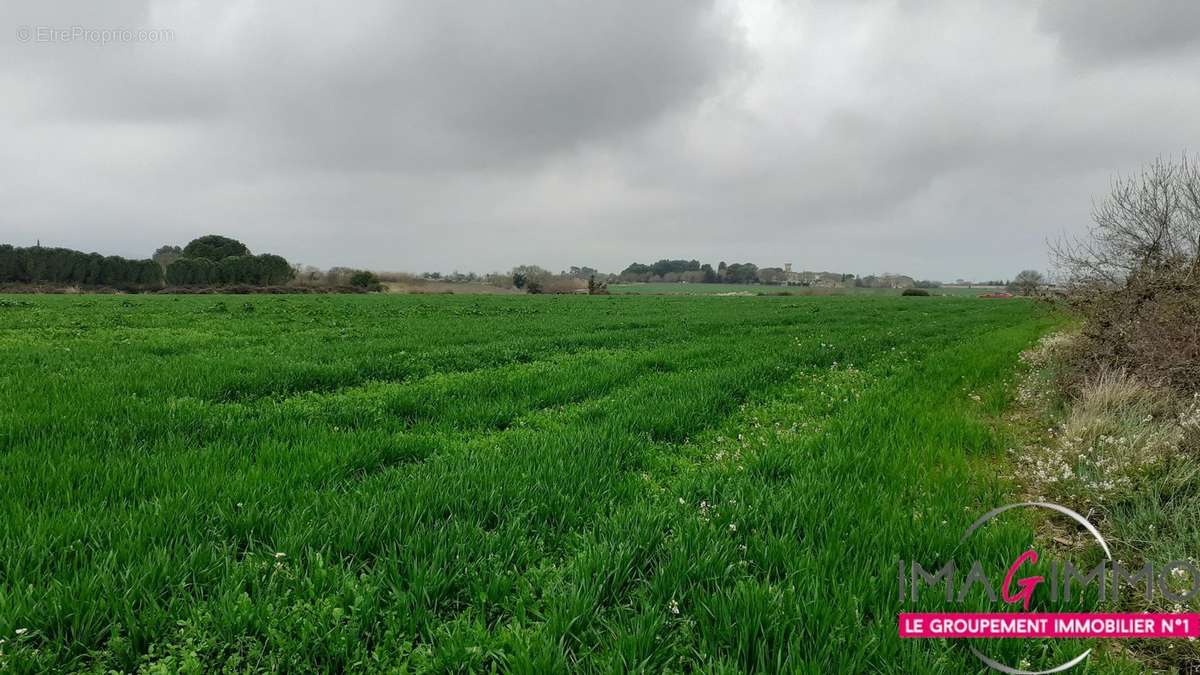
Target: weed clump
<point x="367" y="280"/>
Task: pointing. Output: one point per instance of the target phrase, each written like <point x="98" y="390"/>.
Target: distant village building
<point x="823" y="279"/>
<point x="816" y="279"/>
<point x="897" y="281"/>
<point x="838" y="280"/>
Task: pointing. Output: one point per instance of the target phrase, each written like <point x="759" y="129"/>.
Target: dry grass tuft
<point x="1116" y="434"/>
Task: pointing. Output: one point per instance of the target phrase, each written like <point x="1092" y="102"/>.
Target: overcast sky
<point x="941" y="140"/>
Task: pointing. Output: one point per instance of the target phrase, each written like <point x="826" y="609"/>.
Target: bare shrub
<point x="1027" y="282"/>
<point x="534" y="279"/>
<point x="403" y="278"/>
<point x="559" y="284"/>
<point x="1135" y="278"/>
<point x="499" y="280"/>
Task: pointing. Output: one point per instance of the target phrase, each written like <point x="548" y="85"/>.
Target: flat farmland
<point x="512" y="483"/>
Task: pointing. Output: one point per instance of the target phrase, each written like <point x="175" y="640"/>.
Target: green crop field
<point x="514" y="483"/>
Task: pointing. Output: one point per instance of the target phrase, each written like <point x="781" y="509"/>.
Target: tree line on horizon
<point x="215" y="260"/>
<point x="692" y="271"/>
<point x="211" y="260"/>
<point x="39" y="264"/>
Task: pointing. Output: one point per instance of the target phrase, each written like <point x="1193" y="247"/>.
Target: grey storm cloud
<point x="1111" y="30"/>
<point x="938" y="139"/>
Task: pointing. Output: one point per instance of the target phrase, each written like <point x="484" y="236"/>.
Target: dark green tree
<point x="214" y="247"/>
<point x="741" y="273"/>
<point x="274" y="269"/>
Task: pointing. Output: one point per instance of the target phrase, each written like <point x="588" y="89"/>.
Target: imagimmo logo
<point x="1176" y="582"/>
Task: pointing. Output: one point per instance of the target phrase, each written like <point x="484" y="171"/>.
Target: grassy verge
<point x="1125" y="454"/>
